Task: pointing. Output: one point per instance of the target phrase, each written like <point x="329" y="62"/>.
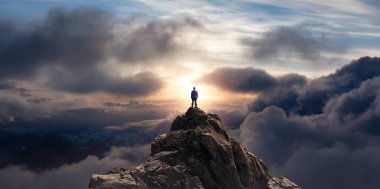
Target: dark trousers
<point x="192" y="102"/>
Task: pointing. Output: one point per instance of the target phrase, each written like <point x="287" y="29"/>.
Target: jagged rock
<point x="281" y="183"/>
<point x="196" y="153"/>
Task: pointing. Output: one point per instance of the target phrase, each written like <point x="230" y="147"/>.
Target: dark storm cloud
<point x="250" y="80"/>
<point x="70" y="39"/>
<point x="312" y="97"/>
<point x="71" y="50"/>
<point x="291" y="41"/>
<point x="358" y="109"/>
<point x="290" y="80"/>
<point x="336" y="139"/>
<point x="240" y="79"/>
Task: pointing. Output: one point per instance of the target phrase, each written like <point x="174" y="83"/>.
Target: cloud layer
<point x="73" y="175"/>
<point x="43" y="139"/>
<point x="317" y="130"/>
<point x="41" y="134"/>
<point x="311" y="98"/>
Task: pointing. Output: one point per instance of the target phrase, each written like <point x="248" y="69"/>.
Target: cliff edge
<point x="196" y="153"/>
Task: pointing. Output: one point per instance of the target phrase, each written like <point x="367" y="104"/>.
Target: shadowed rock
<point x="196" y="153"/>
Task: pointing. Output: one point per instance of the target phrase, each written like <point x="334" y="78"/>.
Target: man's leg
<point x="196" y="103"/>
<point x="192" y="102"/>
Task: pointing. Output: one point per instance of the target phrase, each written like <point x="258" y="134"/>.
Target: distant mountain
<point x="196" y="153"/>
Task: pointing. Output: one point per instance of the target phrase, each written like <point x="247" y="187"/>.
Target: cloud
<point x="155" y="40"/>
<point x="312" y="97"/>
<point x="271" y="132"/>
<point x="75" y="50"/>
<point x="372" y="2"/>
<point x="141" y="84"/>
<point x="67" y="48"/>
<point x="12" y="86"/>
<point x="48" y="144"/>
<point x="231" y="119"/>
<point x="335" y="139"/>
<point x="293" y="92"/>
<point x="291" y="42"/>
<point x="76" y="38"/>
<point x="240" y="79"/>
<point x="358" y="109"/>
<point x="6" y="85"/>
<point x="342" y="167"/>
<point x="249" y="79"/>
<point x="75" y="175"/>
<point x="16" y="107"/>
<point x="311" y="149"/>
<point x="130" y="104"/>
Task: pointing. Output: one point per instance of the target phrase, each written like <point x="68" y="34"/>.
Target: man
<point x="194" y="97"/>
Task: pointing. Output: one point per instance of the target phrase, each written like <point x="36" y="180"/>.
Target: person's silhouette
<point x="194" y="97"/>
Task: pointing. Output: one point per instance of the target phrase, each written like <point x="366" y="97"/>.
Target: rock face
<point x="196" y="153"/>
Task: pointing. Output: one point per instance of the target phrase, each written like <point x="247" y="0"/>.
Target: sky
<point x="87" y="85"/>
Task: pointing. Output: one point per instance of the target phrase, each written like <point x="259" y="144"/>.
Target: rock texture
<point x="196" y="153"/>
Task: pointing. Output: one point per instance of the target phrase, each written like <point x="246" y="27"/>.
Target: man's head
<point x="194" y="88"/>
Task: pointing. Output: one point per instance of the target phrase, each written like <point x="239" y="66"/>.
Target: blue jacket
<point x="194" y="94"/>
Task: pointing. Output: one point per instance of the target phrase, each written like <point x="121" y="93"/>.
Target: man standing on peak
<point x="194" y="97"/>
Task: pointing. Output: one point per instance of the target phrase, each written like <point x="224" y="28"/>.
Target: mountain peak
<point x="196" y="153"/>
<point x="197" y="118"/>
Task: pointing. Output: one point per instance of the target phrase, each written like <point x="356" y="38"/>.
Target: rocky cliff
<point x="196" y="153"/>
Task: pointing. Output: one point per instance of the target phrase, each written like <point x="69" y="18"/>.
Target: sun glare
<point x="207" y="94"/>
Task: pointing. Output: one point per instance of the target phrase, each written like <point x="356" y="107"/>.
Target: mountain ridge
<point x="196" y="153"/>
